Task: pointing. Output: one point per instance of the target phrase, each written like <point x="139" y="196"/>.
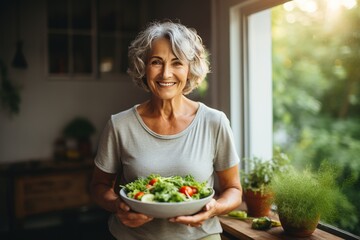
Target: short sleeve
<point x="226" y="155"/>
<point x="108" y="153"/>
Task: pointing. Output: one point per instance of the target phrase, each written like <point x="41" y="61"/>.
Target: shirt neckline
<point x="172" y="136"/>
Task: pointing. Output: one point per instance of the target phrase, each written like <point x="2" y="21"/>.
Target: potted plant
<point x="256" y="180"/>
<point x="304" y="197"/>
<point x="77" y="134"/>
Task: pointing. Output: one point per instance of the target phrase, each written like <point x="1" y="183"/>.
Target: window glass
<point x="91" y="38"/>
<point x="107" y="15"/>
<point x="119" y="22"/>
<point x="81" y="14"/>
<point x="316" y="91"/>
<point x="107" y="54"/>
<point x="128" y="21"/>
<point x="58" y="53"/>
<point x="58" y="14"/>
<point x="82" y="54"/>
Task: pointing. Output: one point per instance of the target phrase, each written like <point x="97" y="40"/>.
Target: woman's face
<point x="166" y="74"/>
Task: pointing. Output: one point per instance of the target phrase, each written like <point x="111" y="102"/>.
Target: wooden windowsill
<point x="238" y="229"/>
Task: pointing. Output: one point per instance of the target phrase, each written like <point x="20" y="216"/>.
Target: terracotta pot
<point x="258" y="204"/>
<point x="303" y="230"/>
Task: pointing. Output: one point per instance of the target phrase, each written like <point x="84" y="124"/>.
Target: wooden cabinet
<point x="37" y="188"/>
<point x="50" y="192"/>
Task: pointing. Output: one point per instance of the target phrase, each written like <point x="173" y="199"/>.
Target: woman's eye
<point x="177" y="63"/>
<point x="155" y="62"/>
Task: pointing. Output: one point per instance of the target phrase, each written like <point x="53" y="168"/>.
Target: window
<point x="89" y="39"/>
<point x="119" y="22"/>
<point x="251" y="72"/>
<point x="70" y="37"/>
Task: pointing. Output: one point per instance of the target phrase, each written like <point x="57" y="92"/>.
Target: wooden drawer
<point x="51" y="192"/>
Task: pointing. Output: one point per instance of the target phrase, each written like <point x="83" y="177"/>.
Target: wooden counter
<point x="238" y="229"/>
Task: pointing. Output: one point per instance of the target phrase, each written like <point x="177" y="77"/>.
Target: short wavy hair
<point x="186" y="44"/>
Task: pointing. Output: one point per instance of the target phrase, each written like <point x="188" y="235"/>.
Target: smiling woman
<point x="168" y="135"/>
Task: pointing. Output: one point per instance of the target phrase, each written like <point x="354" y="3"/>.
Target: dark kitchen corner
<point x="83" y="226"/>
<point x="42" y="200"/>
<point x="75" y="225"/>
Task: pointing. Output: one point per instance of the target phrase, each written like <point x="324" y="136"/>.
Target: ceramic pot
<point x="303" y="230"/>
<point x="258" y="205"/>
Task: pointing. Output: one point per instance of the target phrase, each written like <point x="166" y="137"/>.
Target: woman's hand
<point x="198" y="219"/>
<point x="128" y="217"/>
<point x="229" y="199"/>
<point x="103" y="194"/>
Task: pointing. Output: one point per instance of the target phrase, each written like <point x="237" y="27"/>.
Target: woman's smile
<point x="166" y="84"/>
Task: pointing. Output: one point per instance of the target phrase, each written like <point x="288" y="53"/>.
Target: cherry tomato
<point x="153" y="181"/>
<point x="139" y="195"/>
<point x="186" y="190"/>
<point x="194" y="189"/>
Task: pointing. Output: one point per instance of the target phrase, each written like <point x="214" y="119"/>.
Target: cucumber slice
<point x="148" y="197"/>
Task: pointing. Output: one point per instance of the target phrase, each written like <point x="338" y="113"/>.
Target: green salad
<point x="156" y="188"/>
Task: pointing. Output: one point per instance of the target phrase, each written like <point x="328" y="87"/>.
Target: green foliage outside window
<point x="316" y="92"/>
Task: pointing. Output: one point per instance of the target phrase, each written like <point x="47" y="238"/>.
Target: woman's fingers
<point x="195" y="225"/>
<point x="124" y="207"/>
<point x="198" y="219"/>
<point x="132" y="219"/>
<point x="129" y="218"/>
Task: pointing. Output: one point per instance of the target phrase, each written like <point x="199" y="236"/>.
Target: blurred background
<point x="63" y="73"/>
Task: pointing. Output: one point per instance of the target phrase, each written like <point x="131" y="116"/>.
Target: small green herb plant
<point x="261" y="172"/>
<point x="302" y="196"/>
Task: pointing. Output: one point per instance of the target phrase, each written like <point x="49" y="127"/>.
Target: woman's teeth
<point x="163" y="84"/>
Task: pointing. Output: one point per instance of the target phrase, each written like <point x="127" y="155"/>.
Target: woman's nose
<point x="167" y="71"/>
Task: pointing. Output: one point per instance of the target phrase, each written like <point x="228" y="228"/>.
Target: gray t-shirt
<point x="130" y="149"/>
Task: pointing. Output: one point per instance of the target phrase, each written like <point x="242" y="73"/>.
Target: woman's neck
<point x="168" y="109"/>
<point x="168" y="117"/>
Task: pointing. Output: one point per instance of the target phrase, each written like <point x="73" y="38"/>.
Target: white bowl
<point x="164" y="209"/>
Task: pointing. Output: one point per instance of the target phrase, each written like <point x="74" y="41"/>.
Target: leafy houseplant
<point x="255" y="182"/>
<point x="78" y="132"/>
<point x="79" y="128"/>
<point x="304" y="197"/>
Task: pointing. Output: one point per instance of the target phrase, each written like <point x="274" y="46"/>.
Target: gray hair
<point x="186" y="45"/>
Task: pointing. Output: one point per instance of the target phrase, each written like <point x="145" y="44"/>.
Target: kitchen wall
<point x="46" y="106"/>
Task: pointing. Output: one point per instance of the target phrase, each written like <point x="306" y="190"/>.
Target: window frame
<point x="70" y="75"/>
<point x="95" y="34"/>
<point x="230" y="48"/>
